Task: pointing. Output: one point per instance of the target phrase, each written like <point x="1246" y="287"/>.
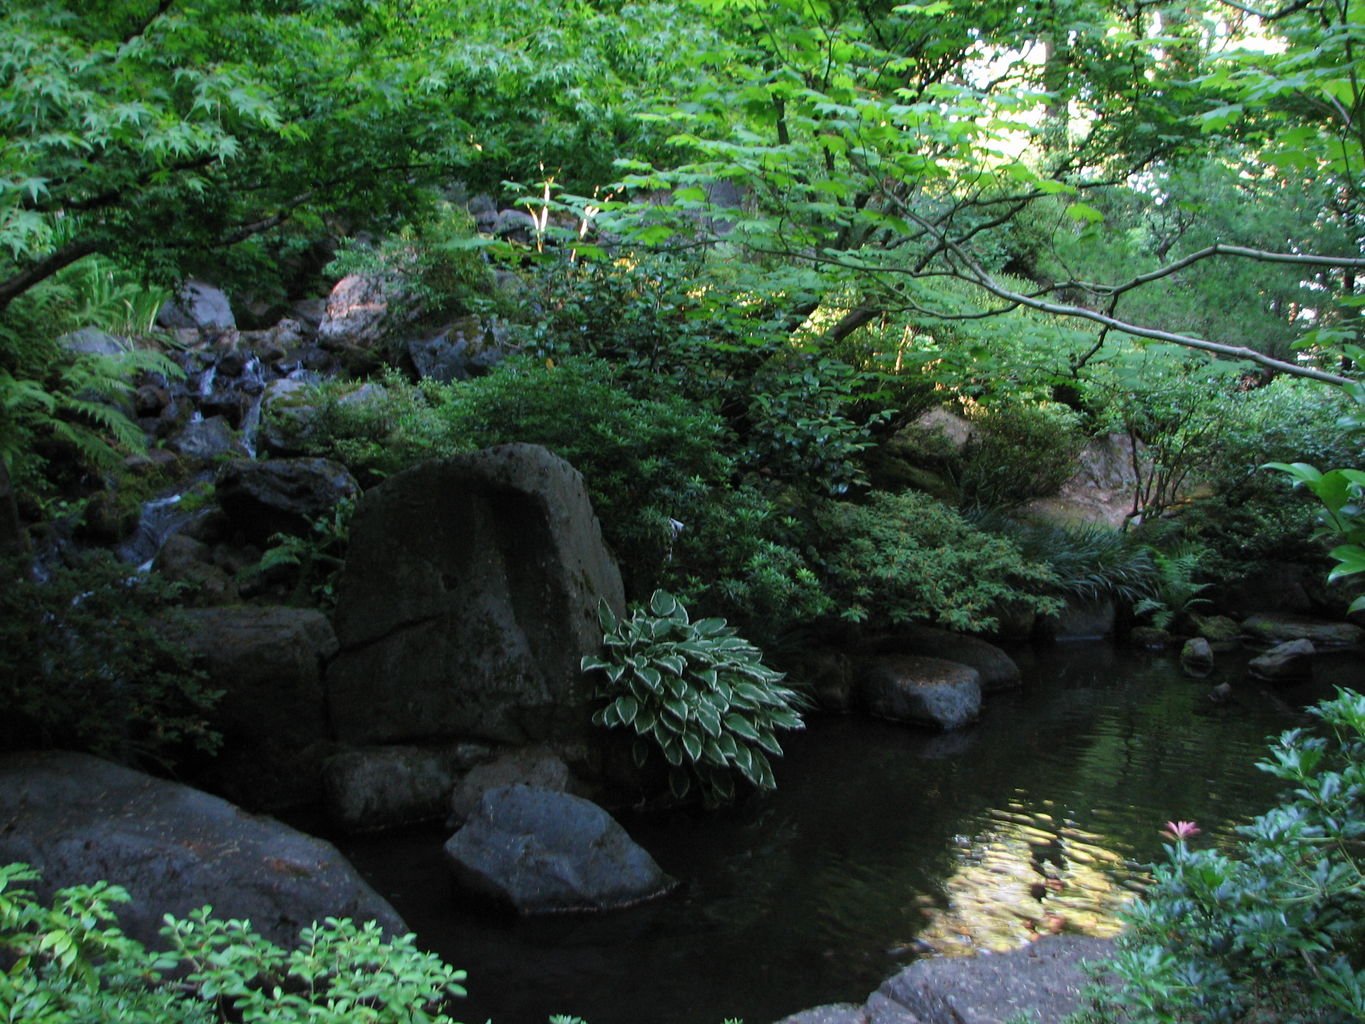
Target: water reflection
<point x="882" y="844"/>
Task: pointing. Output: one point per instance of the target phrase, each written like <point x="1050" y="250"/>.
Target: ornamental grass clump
<point x="695" y="691"/>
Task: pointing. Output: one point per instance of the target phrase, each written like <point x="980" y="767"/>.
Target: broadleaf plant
<point x="695" y="691"/>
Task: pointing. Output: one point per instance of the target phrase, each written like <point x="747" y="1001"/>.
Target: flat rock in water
<point x="925" y="691"/>
<point x="1277" y="628"/>
<point x="539" y="851"/>
<point x="79" y="819"/>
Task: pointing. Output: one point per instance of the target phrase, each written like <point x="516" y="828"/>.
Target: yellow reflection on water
<point x="1022" y="876"/>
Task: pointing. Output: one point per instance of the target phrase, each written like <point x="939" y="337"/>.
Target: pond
<point x="882" y="844"/>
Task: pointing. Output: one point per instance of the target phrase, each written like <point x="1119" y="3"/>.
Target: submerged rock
<point x="527" y="766"/>
<point x="79" y="819"/>
<point x="1291" y="660"/>
<point x="539" y="851"/>
<point x="1196" y="657"/>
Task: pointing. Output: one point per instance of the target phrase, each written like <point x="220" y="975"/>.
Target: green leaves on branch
<point x="697" y="692"/>
<point x="1273" y="928"/>
<point x="73" y="963"/>
<point x="1342" y="494"/>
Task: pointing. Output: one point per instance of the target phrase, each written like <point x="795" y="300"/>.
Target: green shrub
<point x="636" y="313"/>
<point x="85" y="664"/>
<point x="747" y="561"/>
<point x="1341" y="493"/>
<point x="800" y="431"/>
<point x="653" y="467"/>
<point x="909" y="558"/>
<point x="74" y="965"/>
<point x="1273" y="930"/>
<point x="1019" y="452"/>
<point x="314" y="561"/>
<point x="375" y="429"/>
<point x="1251" y="517"/>
<point x="697" y="692"/>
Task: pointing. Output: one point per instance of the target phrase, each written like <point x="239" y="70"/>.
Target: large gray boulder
<point x="923" y="691"/>
<point x="79" y="819"/>
<point x="268" y="663"/>
<point x="468" y="598"/>
<point x="539" y="851"/>
<point x="200" y="306"/>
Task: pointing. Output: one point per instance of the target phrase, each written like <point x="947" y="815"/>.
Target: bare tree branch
<point x="978" y="275"/>
<point x="21" y="282"/>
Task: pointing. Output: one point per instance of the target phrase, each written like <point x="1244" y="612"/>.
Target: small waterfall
<point x="161" y="517"/>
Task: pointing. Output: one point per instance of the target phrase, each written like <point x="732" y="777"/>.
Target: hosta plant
<point x="697" y="692"/>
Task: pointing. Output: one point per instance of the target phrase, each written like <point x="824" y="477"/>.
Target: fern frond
<point x="17" y="395"/>
<point x="91" y="445"/>
<point x="124" y="430"/>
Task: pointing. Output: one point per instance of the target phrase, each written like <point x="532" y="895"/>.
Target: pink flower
<point x="1180" y="830"/>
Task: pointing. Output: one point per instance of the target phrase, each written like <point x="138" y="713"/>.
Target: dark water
<point x="881" y="844"/>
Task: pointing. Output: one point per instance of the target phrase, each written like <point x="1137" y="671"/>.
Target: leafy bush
<point x="636" y="313"/>
<point x="1019" y="452"/>
<point x="74" y="963"/>
<point x="1172" y="405"/>
<point x="907" y="557"/>
<point x="1341" y="493"/>
<point x="748" y="561"/>
<point x="1275" y="929"/>
<point x="800" y="431"/>
<point x="1252" y="517"/>
<point x="697" y="692"/>
<point x="85" y="664"/>
<point x="652" y="466"/>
